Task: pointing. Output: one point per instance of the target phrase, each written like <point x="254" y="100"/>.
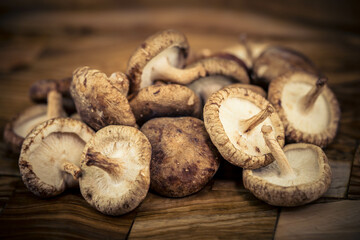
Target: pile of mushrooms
<point x="143" y="129"/>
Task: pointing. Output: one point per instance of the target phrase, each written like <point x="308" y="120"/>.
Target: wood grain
<point x="66" y="216"/>
<point x="334" y="220"/>
<point x="354" y="185"/>
<point x="58" y="42"/>
<point x="205" y="215"/>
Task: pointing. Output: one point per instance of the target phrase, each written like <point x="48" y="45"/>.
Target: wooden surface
<point x="36" y="46"/>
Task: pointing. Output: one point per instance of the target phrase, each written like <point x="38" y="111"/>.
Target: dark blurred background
<point x="335" y="14"/>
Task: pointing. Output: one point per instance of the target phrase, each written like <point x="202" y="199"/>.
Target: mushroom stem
<point x="277" y="152"/>
<point x="249" y="124"/>
<point x="54" y="107"/>
<point x="109" y="165"/>
<point x="307" y="101"/>
<point x="163" y="70"/>
<point x="71" y="169"/>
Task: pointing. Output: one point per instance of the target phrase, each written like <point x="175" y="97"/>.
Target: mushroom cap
<point x="100" y="100"/>
<point x="183" y="159"/>
<point x="313" y="177"/>
<point x="276" y="61"/>
<point x="45" y="149"/>
<point x="251" y="87"/>
<point x="119" y="193"/>
<point x="242" y="51"/>
<point x="319" y="126"/>
<point x="220" y="72"/>
<point x="165" y="101"/>
<point x="39" y="90"/>
<point x="21" y="125"/>
<point x="169" y="40"/>
<point x="224" y="111"/>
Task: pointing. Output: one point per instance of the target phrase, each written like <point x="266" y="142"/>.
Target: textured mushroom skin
<point x="98" y="101"/>
<point x="219" y="137"/>
<point x="294" y="195"/>
<point x="165" y="101"/>
<point x="254" y="88"/>
<point x="321" y="139"/>
<point x="90" y="186"/>
<point x="150" y="48"/>
<point x="276" y="61"/>
<point x="183" y="159"/>
<point x="31" y="181"/>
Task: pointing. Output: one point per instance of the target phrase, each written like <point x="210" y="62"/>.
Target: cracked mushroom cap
<point x="164" y="101"/>
<point x="101" y="100"/>
<point x="307" y="107"/>
<point x="161" y="57"/>
<point x="116" y="169"/>
<point x="220" y="72"/>
<point x="183" y="159"/>
<point x="20" y="126"/>
<point x="233" y="118"/>
<point x="50" y="156"/>
<point x="312" y="177"/>
<point x="276" y="61"/>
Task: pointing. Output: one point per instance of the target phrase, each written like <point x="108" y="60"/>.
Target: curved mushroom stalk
<point x="109" y="165"/>
<point x="285" y="169"/>
<point x="249" y="124"/>
<point x="162" y="69"/>
<point x="307" y="102"/>
<point x="71" y="169"/>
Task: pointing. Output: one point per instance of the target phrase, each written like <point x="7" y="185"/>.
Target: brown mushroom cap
<point x="183" y="159"/>
<point x="225" y="115"/>
<point x="39" y="90"/>
<point x="50" y="156"/>
<point x="318" y="125"/>
<point x="116" y="169"/>
<point x="219" y="73"/>
<point x="161" y="57"/>
<point x="100" y="100"/>
<point x="165" y="101"/>
<point x="276" y="61"/>
<point x="312" y="177"/>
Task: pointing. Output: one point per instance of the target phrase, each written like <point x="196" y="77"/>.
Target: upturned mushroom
<point x="220" y="72"/>
<point x="300" y="174"/>
<point x="101" y="100"/>
<point x="39" y="90"/>
<point x="115" y="168"/>
<point x="50" y="156"/>
<point x="170" y="100"/>
<point x="162" y="57"/>
<point x="254" y="88"/>
<point x="183" y="158"/>
<point x="307" y="107"/>
<point x="233" y="118"/>
<point x="276" y="61"/>
<point x="20" y="126"/>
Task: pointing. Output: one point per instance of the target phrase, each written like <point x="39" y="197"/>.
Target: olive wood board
<point x="43" y="45"/>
